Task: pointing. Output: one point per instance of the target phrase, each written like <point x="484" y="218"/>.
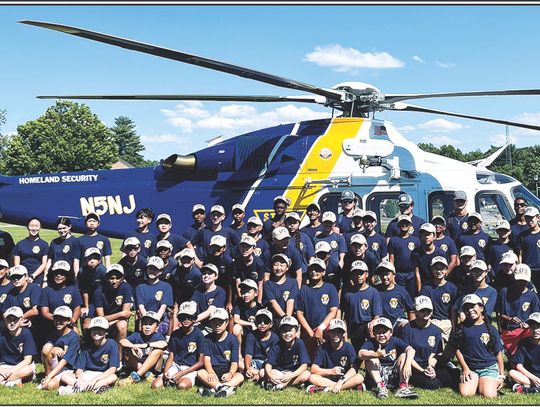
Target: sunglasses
<point x="265" y="321"/>
<point x="520" y="205"/>
<point x="347" y="201"/>
<point x="183" y="317"/>
<point x="15" y="277"/>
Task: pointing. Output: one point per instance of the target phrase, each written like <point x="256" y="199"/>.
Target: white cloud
<point x="445" y="65"/>
<point x="347" y="59"/>
<point x="500" y="140"/>
<point x="440" y="140"/>
<point x="233" y="119"/>
<point x="237" y="111"/>
<point x="440" y="126"/>
<point x="163" y="138"/>
<point x="418" y="59"/>
<point x="406" y="129"/>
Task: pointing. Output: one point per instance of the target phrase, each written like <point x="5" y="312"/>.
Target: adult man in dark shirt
<point x="406" y="207"/>
<point x="456" y="223"/>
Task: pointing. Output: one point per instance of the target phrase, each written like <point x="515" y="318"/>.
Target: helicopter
<point x="311" y="161"/>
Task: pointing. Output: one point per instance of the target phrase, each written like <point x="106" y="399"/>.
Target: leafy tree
<point x="67" y="137"/>
<point x="128" y="142"/>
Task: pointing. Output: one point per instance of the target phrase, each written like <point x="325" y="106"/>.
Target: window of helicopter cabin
<point x="385" y="206"/>
<point x="493" y="206"/>
<point x="441" y="203"/>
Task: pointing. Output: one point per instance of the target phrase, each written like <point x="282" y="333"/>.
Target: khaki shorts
<point x="11" y="367"/>
<point x="175" y="368"/>
<point x="446" y="327"/>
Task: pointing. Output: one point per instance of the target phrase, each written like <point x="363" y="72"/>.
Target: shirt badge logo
<point x="525" y="306"/>
<point x="105" y="358"/>
<point x="445" y="298"/>
<point x="257" y="252"/>
<point x="295" y="359"/>
<point x="334" y="244"/>
<point x="67" y="299"/>
<point x="3" y="298"/>
<point x="66" y="249"/>
<point x="444" y="247"/>
<point x="393" y="302"/>
<point x="147" y="243"/>
<point x="364" y="304"/>
<point x="159" y="295"/>
<point x="26" y="302"/>
<point x="227" y="355"/>
<point x="431" y="340"/>
<point x="210" y="301"/>
<point x="100" y="245"/>
<point x="375" y="246"/>
<point x="484" y="338"/>
<point x="192" y="347"/>
<point x="35" y="249"/>
<point x="343" y="361"/>
<point x="325" y="298"/>
<point x="411" y="246"/>
<point x="20" y="347"/>
<point x="118" y="300"/>
<point x="286" y="295"/>
<point x="465" y="226"/>
<point x="482" y="243"/>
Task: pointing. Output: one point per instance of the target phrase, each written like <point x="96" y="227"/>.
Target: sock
<point x="381" y="384"/>
<point x="403" y="384"/>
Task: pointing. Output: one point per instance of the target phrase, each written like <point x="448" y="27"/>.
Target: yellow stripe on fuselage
<point x="316" y="168"/>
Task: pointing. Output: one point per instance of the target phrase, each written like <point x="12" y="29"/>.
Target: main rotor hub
<point x="359" y="98"/>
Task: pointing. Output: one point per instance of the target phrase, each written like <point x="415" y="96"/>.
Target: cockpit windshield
<point x="521" y="192"/>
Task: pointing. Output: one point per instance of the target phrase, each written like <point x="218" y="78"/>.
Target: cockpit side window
<point x="493" y="207"/>
<point x="384" y="204"/>
<point x="441" y="203"/>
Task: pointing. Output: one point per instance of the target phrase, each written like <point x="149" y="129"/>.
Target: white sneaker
<point x="39" y="387"/>
<point x="65" y="390"/>
<point x="225" y="391"/>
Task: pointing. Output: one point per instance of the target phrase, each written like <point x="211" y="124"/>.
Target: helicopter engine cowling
<point x="184" y="164"/>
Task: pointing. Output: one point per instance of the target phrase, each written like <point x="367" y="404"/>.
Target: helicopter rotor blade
<point x="190" y="59"/>
<point x="392" y="98"/>
<point x="217" y="98"/>
<point x="412" y="108"/>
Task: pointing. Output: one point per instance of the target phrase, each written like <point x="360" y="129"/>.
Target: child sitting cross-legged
<point x="258" y="342"/>
<point x="526" y="373"/>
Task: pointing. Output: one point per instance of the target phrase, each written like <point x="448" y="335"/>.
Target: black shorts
<point x="220" y="371"/>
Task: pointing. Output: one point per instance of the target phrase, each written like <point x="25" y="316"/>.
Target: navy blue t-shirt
<point x="13" y="349"/>
<point x="529" y="246"/>
<point x="178" y="241"/>
<point x="64" y="249"/>
<point x="112" y="300"/>
<point x="90" y="279"/>
<point x="101" y="242"/>
<point x="442" y="297"/>
<point x="203" y="238"/>
<point x="337" y="243"/>
<point x="477" y="241"/>
<point x="425" y="341"/>
<point x="99" y="359"/>
<point x="402" y="249"/>
<point x="31" y="253"/>
<point x="68" y="295"/>
<point x="423" y="261"/>
<point x="184" y="281"/>
<point x="70" y="343"/>
<point x="4" y="290"/>
<point x="257" y="347"/>
<point x="520" y="305"/>
<point x="6" y="245"/>
<point x="316" y="302"/>
<point x="474" y="346"/>
<point x="395" y="302"/>
<point x="528" y="355"/>
<point x="293" y="254"/>
<point x="328" y="357"/>
<point x="288" y="359"/>
<point x="447" y="245"/>
<point x="495" y="250"/>
<point x="253" y="271"/>
<point x="134" y="271"/>
<point x="222" y="353"/>
<point x="377" y="245"/>
<point x="191" y="232"/>
<point x="304" y="246"/>
<point x="456" y="226"/>
<point x="246" y="312"/>
<point x="148" y="242"/>
<point x="204" y="299"/>
<point x="312" y="231"/>
<point x="393" y="230"/>
<point x="187" y="347"/>
<point x="26" y="300"/>
<point x="393" y="348"/>
<point x="362" y="305"/>
<point x="281" y="293"/>
<point x="488" y="295"/>
<point x="153" y="296"/>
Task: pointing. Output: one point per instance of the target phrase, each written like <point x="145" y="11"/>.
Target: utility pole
<point x="508" y="150"/>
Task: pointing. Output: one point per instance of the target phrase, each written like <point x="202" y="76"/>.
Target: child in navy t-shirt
<point x="526" y="360"/>
<point x="244" y="310"/>
<point x="208" y="296"/>
<point x="90" y="277"/>
<point x="336" y="363"/>
<point x="280" y="291"/>
<point x="258" y="343"/>
<point x="93" y="239"/>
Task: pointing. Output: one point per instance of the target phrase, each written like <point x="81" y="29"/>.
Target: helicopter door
<point x="493" y="207"/>
<point x="332" y="202"/>
<point x="441" y="203"/>
<point x="385" y="206"/>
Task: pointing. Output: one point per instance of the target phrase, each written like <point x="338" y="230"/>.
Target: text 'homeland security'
<point x="57" y="179"/>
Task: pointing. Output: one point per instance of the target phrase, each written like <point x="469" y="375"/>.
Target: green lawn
<point x="248" y="394"/>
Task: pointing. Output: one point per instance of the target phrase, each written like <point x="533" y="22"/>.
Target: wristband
<point x="321" y="327"/>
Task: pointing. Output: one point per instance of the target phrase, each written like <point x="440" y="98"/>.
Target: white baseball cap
<point x="288" y="320"/>
<point x="358" y="238"/>
<point x="423" y="302"/>
<point x="63" y="311"/>
<point x="438" y="218"/>
<point x="315" y="204"/>
<point x="92" y="250"/>
<point x="61" y="265"/>
<point x="249" y="240"/>
<point x="359" y="265"/>
<point x="471" y="299"/>
<point x="293" y="215"/>
<point x="187" y="252"/>
<point x="475" y="215"/>
<point x="218" y="240"/>
<point x="323" y="246"/>
<point x="210" y="266"/>
<point x="329" y="217"/>
<point x="428" y="227"/>
<point x="502" y="224"/>
<point x="132" y="241"/>
<point x="315" y="261"/>
<point x="509" y="257"/>
<point x="370" y="214"/>
<point x="219" y="313"/>
<point x="198" y="207"/>
<point x="522" y="272"/>
<point x="188" y="307"/>
<point x="403" y="217"/>
<point x="4" y="264"/>
<point x="535" y="317"/>
<point x="19" y="270"/>
<point x="156" y="262"/>
<point x="479" y="264"/>
<point x="115" y="267"/>
<point x="151" y="314"/>
<point x="164" y="243"/>
<point x="15" y="311"/>
<point x="282" y="199"/>
<point x="385" y="264"/>
<point x="99" y="322"/>
<point x="337" y="324"/>
<point x="248" y="282"/>
<point x="164" y="216"/>
<point x="239" y="207"/>
<point x="255" y="220"/>
<point x="217" y="208"/>
<point x="531" y="211"/>
<point x="439" y="259"/>
<point x="282" y="258"/>
<point x="384" y="322"/>
<point x="358" y="213"/>
<point x="280" y="233"/>
<point x="467" y="251"/>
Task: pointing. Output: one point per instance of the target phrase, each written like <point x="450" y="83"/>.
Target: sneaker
<point x="225" y="391"/>
<point x="135" y="376"/>
<point x="14" y="383"/>
<point x="361" y="387"/>
<point x="65" y="390"/>
<point x="312" y="389"/>
<point x="102" y="389"/>
<point x="518" y="388"/>
<point x="532" y="389"/>
<point x="406" y="393"/>
<point x="126" y="382"/>
<point x="382" y="392"/>
<point x="268" y="385"/>
<point x="149" y="377"/>
<point x="206" y="392"/>
<point x="39" y="386"/>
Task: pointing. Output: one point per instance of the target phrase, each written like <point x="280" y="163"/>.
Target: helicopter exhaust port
<point x="182" y="163"/>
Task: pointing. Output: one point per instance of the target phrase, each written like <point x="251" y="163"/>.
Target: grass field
<point x="248" y="394"/>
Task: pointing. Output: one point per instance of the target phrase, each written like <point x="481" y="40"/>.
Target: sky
<point x="398" y="49"/>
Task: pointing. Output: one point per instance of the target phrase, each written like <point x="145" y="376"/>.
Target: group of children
<point x="278" y="304"/>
